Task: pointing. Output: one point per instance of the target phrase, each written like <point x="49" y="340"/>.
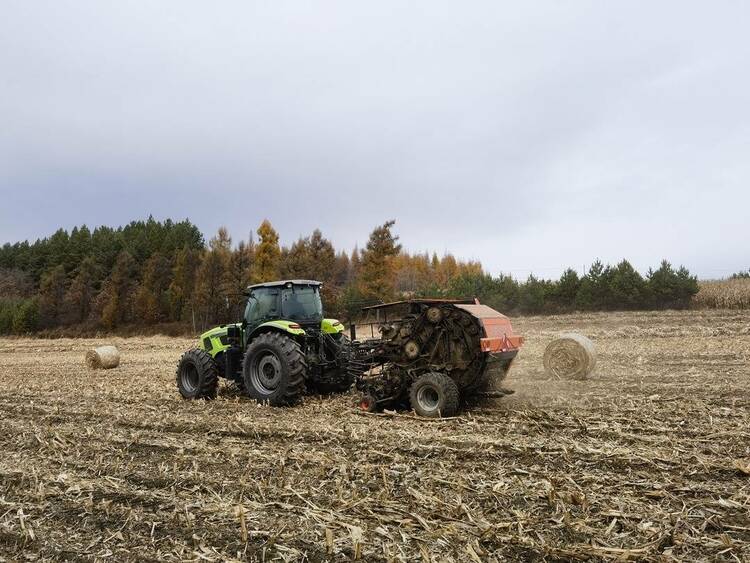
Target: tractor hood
<point x="215" y="340"/>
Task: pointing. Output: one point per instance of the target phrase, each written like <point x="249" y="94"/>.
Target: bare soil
<point x="649" y="459"/>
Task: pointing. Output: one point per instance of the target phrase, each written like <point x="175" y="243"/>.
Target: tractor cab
<point x="297" y="301"/>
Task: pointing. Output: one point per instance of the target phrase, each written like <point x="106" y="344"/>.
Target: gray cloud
<point x="530" y="137"/>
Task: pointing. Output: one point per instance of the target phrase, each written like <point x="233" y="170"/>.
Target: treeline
<point x="84" y="276"/>
<point x="602" y="288"/>
<point x="152" y="273"/>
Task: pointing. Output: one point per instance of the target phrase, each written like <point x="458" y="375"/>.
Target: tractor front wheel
<point x="434" y="395"/>
<point x="274" y="370"/>
<point x="197" y="375"/>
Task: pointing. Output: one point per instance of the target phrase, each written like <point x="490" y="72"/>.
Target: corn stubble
<point x="646" y="460"/>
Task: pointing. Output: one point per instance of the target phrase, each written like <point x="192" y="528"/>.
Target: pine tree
<point x="376" y="279"/>
<point x="448" y="269"/>
<point x="267" y="254"/>
<point x="533" y="295"/>
<point x="296" y="261"/>
<point x="26" y="317"/>
<point x="435" y="263"/>
<point x="355" y="265"/>
<point x="222" y="242"/>
<point x="239" y="274"/>
<point x="184" y="274"/>
<point x="406" y="278"/>
<point x="7" y="312"/>
<point x="687" y="287"/>
<point x="508" y="293"/>
<point x="342" y="269"/>
<point x="51" y="296"/>
<point x="55" y="250"/>
<point x="213" y="279"/>
<point x="79" y="248"/>
<point x="594" y="292"/>
<point x="669" y="288"/>
<point x="334" y="290"/>
<point x="628" y="287"/>
<point x="566" y="289"/>
<point x="423" y="272"/>
<point x="117" y="294"/>
<point x="106" y="245"/>
<point x="152" y="299"/>
<point x="209" y="293"/>
<point x="322" y="258"/>
<point x="80" y="294"/>
<point x="467" y="286"/>
<point x="661" y="285"/>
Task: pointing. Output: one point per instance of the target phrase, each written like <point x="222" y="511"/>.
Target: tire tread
<point x="292" y="357"/>
<point x="447" y="388"/>
<point x="208" y="374"/>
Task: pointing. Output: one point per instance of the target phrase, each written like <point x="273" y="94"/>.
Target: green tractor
<point x="282" y="347"/>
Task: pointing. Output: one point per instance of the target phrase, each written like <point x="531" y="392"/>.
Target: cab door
<point x="262" y="306"/>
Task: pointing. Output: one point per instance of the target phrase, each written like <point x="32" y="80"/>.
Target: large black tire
<point x="434" y="395"/>
<point x="197" y="375"/>
<point x="274" y="370"/>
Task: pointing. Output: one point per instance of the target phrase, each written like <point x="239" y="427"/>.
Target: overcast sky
<point x="529" y="135"/>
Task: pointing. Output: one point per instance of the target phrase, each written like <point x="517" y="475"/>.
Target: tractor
<point x="282" y="347"/>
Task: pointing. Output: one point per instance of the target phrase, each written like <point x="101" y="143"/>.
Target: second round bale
<point x="570" y="356"/>
<point x="103" y="357"/>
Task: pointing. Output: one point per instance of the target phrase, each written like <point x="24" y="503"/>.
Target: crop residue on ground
<point x="647" y="459"/>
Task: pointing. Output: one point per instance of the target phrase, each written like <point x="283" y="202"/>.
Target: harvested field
<point x="649" y="459"/>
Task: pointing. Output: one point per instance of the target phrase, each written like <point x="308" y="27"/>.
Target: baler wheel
<point x="434" y="395"/>
<point x="368" y="403"/>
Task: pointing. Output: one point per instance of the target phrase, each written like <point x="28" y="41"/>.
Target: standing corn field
<point x="723" y="294"/>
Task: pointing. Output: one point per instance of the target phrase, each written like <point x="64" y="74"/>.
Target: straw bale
<point x="571" y="355"/>
<point x="103" y="357"/>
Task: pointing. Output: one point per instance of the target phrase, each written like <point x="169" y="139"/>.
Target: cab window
<point x="262" y="304"/>
<point x="301" y="304"/>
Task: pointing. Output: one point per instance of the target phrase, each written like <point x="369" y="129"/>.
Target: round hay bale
<point x="571" y="355"/>
<point x="103" y="357"/>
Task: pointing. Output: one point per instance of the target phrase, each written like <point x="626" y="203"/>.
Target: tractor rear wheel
<point x="197" y="375"/>
<point x="274" y="370"/>
<point x="434" y="395"/>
